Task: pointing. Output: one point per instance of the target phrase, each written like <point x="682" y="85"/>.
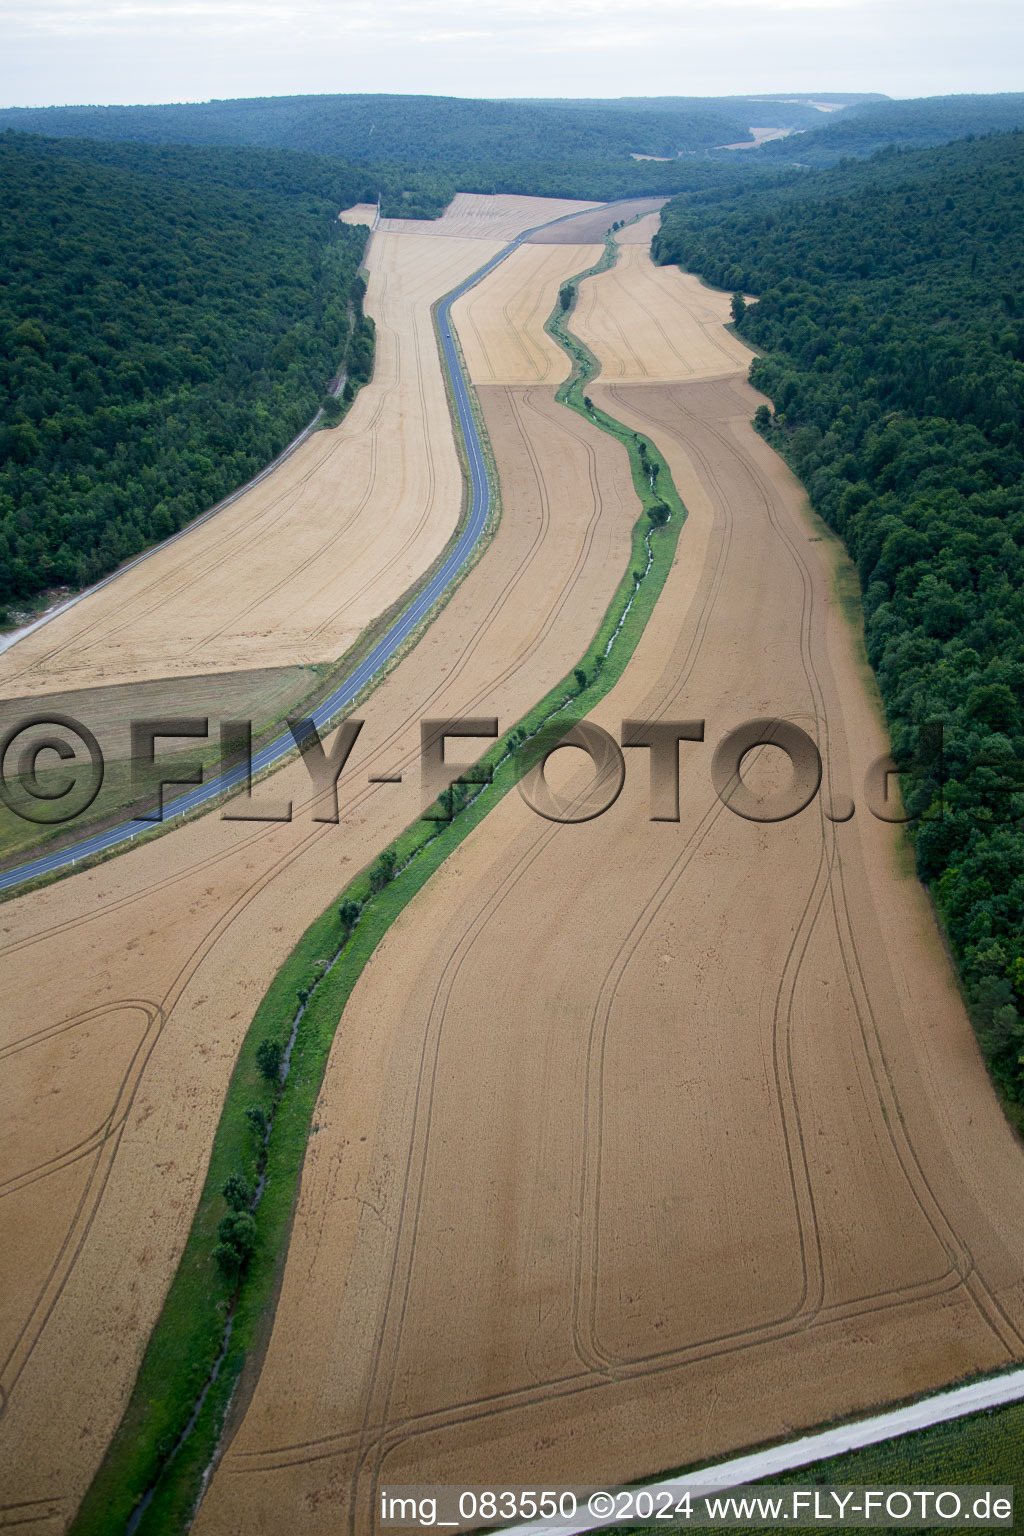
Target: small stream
<point x="141" y="1508"/>
<point x="286" y="1061"/>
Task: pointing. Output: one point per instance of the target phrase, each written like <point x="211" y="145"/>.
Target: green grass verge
<point x="188" y="1335"/>
<point x="585" y="367"/>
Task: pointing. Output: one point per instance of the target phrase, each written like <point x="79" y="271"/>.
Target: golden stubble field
<point x="501" y="322"/>
<point x="127" y="988"/>
<point x="360" y="213"/>
<point x="640" y="1142"/>
<point x="651" y="324"/>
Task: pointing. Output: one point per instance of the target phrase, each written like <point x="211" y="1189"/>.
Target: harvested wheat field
<point x="501" y="322"/>
<point x="641" y="1141"/>
<point x="655" y="324"/>
<point x="501" y="216"/>
<point x="640" y="233"/>
<point x="360" y="213"/>
<point x="129" y="987"/>
<point x="297" y="568"/>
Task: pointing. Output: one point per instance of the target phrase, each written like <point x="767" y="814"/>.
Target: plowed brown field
<point x="128" y="988"/>
<point x="297" y="568"/>
<point x="501" y="322"/>
<point x="641" y="1141"/>
<point x="595" y="224"/>
<point x="475" y="216"/>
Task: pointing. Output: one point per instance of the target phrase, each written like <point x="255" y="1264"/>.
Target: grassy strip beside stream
<point x="210" y="1324"/>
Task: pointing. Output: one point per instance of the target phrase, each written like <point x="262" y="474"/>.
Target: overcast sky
<point x="73" y="51"/>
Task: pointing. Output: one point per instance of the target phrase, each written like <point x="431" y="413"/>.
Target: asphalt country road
<point x="480" y="499"/>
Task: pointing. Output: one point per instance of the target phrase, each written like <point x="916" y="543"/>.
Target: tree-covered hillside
<point x="169" y="320"/>
<point x="891" y="319"/>
<point x="416" y="152"/>
<point x="779" y="111"/>
<point x="865" y="127"/>
<point x="424" y="192"/>
<point x="412" y="130"/>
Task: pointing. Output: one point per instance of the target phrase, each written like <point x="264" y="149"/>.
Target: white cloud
<point x="165" y="50"/>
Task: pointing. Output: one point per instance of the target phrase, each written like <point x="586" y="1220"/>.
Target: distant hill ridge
<point x="867" y="126"/>
<point x="427" y="130"/>
<point x="449" y="135"/>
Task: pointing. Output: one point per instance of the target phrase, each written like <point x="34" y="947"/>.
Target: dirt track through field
<point x="128" y="988"/>
<point x="643" y="1141"/>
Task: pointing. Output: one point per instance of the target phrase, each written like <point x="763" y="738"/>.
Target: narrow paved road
<point x="349" y="689"/>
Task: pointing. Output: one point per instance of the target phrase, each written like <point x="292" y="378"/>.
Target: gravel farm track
<point x="641" y="1142"/>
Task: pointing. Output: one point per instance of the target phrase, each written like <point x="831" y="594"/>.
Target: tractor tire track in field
<point x="530" y="643"/>
<point x="386" y="1420"/>
<point x="348" y="809"/>
<point x="826" y="902"/>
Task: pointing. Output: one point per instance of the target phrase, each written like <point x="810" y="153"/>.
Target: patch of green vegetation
<point x="986" y="1448"/>
<point x="265" y="696"/>
<point x="319" y="976"/>
<point x="19" y="836"/>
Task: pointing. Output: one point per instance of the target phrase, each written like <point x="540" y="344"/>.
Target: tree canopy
<point x="867" y="126"/>
<point x="412" y="130"/>
<point x="169" y="320"/>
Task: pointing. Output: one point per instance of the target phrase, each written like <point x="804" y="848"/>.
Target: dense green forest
<point x="416" y="152"/>
<point x="169" y="320"/>
<point x="408" y="135"/>
<point x="411" y="130"/>
<point x="425" y="193"/>
<point x="764" y="111"/>
<point x="891" y="321"/>
<point x="867" y="126"/>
